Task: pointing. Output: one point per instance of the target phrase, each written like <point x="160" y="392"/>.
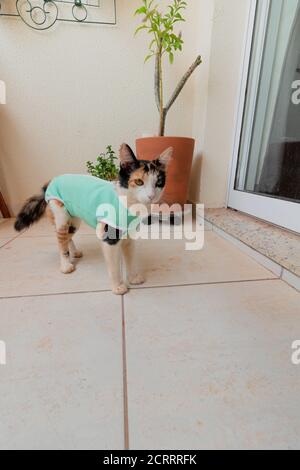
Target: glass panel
<point x="269" y="161"/>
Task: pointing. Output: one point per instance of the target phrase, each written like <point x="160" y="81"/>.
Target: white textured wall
<point x="228" y="33"/>
<point x="2" y="92"/>
<point x="203" y="42"/>
<point x="76" y="88"/>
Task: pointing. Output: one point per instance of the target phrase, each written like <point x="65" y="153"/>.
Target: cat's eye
<point x="161" y="182"/>
<point x="139" y="182"/>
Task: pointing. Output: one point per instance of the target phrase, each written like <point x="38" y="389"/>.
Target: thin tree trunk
<point x="162" y="123"/>
<point x="182" y="82"/>
<point x="156" y="82"/>
<point x="162" y="114"/>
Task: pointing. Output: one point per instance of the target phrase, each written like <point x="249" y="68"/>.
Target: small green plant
<point x="164" y="41"/>
<point x="105" y="166"/>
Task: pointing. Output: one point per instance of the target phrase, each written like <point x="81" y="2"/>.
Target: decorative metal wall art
<point x="43" y="14"/>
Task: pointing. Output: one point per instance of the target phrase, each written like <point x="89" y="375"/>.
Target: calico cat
<point x="68" y="199"/>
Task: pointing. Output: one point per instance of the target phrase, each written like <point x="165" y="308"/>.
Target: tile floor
<point x="198" y="357"/>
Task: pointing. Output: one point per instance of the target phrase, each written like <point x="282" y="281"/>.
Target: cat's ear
<point x="165" y="158"/>
<point x="127" y="157"/>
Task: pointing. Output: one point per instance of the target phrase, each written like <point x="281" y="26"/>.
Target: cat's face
<point x="145" y="180"/>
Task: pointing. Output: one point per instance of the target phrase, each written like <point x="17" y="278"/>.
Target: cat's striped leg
<point x="74" y="253"/>
<point x="74" y="226"/>
<point x="133" y="274"/>
<point x="62" y="224"/>
<point x="112" y="254"/>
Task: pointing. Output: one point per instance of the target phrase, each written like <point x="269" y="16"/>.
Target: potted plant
<point x="105" y="166"/>
<point x="166" y="42"/>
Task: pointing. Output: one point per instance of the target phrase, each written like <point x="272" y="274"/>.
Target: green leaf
<point x="171" y="57"/>
<point x="148" y="57"/>
<point x="142" y="10"/>
<point x="143" y="26"/>
<point x="152" y="44"/>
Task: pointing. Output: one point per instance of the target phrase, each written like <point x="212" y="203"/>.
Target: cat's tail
<point x="32" y="210"/>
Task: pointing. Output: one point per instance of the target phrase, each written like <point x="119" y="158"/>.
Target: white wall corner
<point x="2" y="92"/>
<point x="205" y="28"/>
<point x="204" y="36"/>
<point x="227" y="50"/>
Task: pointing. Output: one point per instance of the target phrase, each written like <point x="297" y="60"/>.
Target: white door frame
<point x="277" y="211"/>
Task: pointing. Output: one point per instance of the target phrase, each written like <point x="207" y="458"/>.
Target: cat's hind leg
<point x="74" y="226"/>
<point x="62" y="223"/>
<point x="74" y="253"/>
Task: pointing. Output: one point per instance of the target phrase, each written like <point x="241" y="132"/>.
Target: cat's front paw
<point x="67" y="268"/>
<point x="120" y="290"/>
<point x="78" y="254"/>
<point x="137" y="279"/>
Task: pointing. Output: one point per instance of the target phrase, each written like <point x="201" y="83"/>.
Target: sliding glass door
<point x="266" y="175"/>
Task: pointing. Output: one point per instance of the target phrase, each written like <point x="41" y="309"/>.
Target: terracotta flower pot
<point x="179" y="170"/>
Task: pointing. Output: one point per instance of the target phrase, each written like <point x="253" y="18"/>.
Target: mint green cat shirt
<point x="92" y="200"/>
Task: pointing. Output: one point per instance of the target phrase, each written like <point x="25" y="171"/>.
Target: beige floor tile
<point x="4" y="241"/>
<point x="7" y="228"/>
<point x="34" y="265"/>
<point x="40" y="229"/>
<point x="62" y="385"/>
<point x="209" y="367"/>
<point x="45" y="228"/>
<point x="33" y="268"/>
<point x="166" y="262"/>
<point x="256" y="255"/>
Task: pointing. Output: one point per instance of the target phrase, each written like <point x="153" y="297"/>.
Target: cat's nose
<point x="151" y="197"/>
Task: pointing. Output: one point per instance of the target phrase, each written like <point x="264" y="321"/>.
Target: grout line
<point x="212" y="283"/>
<point x="125" y="383"/>
<point x="55" y="294"/>
<point x="142" y="288"/>
<point x="12" y="239"/>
